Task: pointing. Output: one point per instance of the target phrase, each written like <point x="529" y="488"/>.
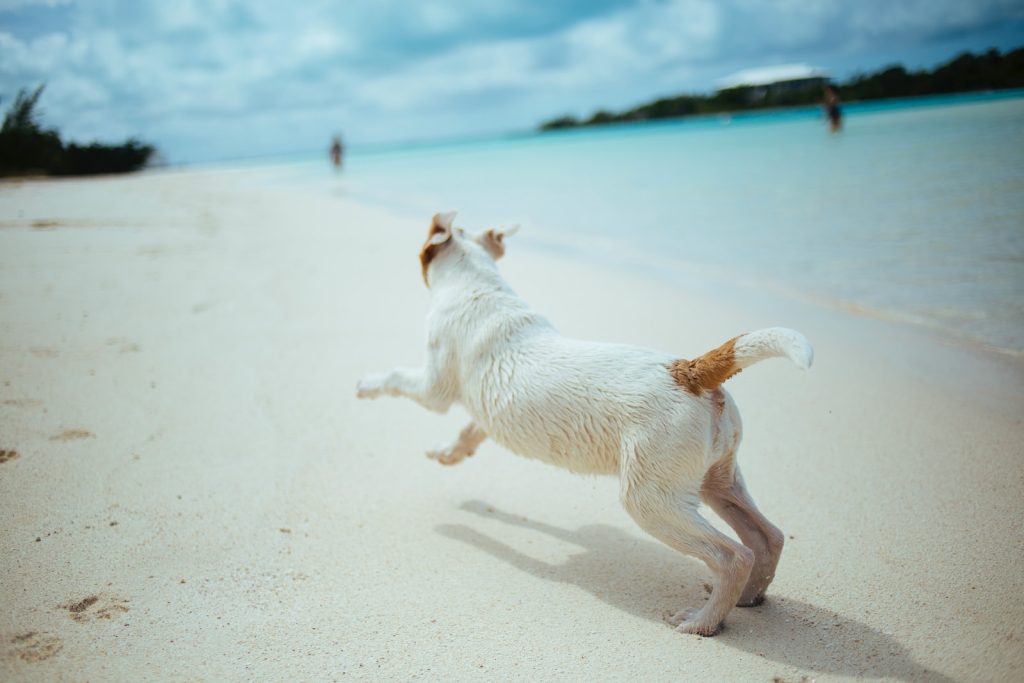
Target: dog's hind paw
<point x="689" y="621"/>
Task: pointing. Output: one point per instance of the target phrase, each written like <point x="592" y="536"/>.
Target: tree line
<point x="26" y="148"/>
<point x="967" y="72"/>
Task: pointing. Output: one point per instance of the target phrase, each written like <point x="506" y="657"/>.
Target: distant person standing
<point x="337" y="152"/>
<point x="832" y="110"/>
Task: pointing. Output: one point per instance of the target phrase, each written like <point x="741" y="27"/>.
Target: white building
<point x="775" y="79"/>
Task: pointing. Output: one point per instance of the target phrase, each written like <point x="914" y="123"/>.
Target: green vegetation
<point x="967" y="72"/>
<point x="26" y="148"/>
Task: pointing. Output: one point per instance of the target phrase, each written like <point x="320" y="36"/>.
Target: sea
<point x="913" y="212"/>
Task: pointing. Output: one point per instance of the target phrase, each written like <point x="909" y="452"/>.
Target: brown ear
<point x="441" y="228"/>
<point x="440" y="232"/>
<point x="493" y="240"/>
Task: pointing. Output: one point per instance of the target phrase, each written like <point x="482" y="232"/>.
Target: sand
<point x="189" y="490"/>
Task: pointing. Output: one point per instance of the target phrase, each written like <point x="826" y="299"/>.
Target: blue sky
<point x="218" y="79"/>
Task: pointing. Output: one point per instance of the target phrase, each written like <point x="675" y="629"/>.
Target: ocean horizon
<point x="914" y="212"/>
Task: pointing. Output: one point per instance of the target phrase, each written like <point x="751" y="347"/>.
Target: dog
<point x="662" y="424"/>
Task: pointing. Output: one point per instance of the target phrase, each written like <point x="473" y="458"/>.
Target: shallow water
<point x="914" y="212"/>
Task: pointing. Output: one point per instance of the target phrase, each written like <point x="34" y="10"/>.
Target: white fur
<point x="774" y="342"/>
<point x="588" y="407"/>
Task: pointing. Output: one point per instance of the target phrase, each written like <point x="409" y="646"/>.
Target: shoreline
<point x="800" y="110"/>
<point x="196" y="491"/>
<point x="606" y="252"/>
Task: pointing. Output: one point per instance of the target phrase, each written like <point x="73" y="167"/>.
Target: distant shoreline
<point x="805" y="110"/>
<point x="966" y="73"/>
<point x="357" y="150"/>
<point x="861" y="106"/>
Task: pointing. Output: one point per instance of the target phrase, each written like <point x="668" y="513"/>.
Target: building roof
<point x="770" y="74"/>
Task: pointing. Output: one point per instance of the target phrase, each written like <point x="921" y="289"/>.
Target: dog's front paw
<point x="370" y="386"/>
<point x="448" y="455"/>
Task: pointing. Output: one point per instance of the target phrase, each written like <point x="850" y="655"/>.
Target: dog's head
<point x="442" y="238"/>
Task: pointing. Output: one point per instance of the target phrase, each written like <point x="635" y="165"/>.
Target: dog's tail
<point x="709" y="371"/>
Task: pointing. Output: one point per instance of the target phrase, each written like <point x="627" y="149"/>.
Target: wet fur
<point x="661" y="424"/>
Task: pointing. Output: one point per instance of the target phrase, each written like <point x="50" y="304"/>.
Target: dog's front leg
<point x="463" y="447"/>
<point x="424" y="386"/>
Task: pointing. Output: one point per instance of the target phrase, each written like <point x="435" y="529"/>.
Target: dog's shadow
<point x="645" y="578"/>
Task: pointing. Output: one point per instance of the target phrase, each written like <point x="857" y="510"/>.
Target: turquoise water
<point x="914" y="212"/>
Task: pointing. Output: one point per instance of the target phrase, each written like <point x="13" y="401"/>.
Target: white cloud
<point x="39" y="56"/>
<point x="604" y="50"/>
<point x="649" y="35"/>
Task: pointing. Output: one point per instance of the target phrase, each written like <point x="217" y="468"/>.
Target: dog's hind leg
<point x="464" y="446"/>
<point x="723" y="490"/>
<point x="729" y="562"/>
<point x="670" y="515"/>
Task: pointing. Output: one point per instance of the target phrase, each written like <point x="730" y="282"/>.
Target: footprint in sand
<point x="31" y="646"/>
<point x="124" y="345"/>
<point x="7" y="454"/>
<point x="72" y="435"/>
<point x="95" y="607"/>
<point x="21" y="402"/>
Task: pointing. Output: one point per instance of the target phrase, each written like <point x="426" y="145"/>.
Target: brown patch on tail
<point x="707" y="372"/>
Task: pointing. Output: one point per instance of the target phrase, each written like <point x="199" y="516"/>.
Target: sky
<point x="208" y="80"/>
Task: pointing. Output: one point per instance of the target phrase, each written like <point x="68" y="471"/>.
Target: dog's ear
<point x="441" y="228"/>
<point x="440" y="233"/>
<point x="493" y="240"/>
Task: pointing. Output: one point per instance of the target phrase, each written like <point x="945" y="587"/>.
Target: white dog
<point x="662" y="424"/>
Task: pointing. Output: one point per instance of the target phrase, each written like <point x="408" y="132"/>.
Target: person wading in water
<point x="832" y="110"/>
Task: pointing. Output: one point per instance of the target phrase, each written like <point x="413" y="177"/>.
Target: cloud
<point x="285" y="74"/>
<point x="598" y="51"/>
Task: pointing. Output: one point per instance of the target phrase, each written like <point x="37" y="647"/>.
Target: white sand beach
<point x="190" y="491"/>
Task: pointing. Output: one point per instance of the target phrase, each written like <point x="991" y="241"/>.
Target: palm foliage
<point x="26" y="148"/>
